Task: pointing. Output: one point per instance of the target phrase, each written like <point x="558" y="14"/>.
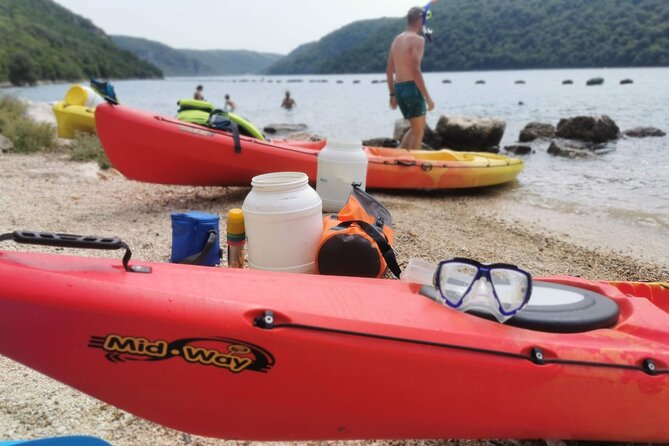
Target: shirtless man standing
<point x="405" y="80"/>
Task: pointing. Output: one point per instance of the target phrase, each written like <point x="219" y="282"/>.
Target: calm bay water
<point x="631" y="183"/>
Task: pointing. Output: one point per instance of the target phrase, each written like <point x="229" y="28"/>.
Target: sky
<point x="274" y="26"/>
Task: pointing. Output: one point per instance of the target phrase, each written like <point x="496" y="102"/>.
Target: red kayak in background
<point x="155" y="149"/>
<point x="253" y="355"/>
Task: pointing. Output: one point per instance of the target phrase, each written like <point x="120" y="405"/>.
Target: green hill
<point x="172" y="62"/>
<point x="503" y="34"/>
<point x="234" y="61"/>
<point x="178" y="62"/>
<point x="40" y="40"/>
<point x="356" y="48"/>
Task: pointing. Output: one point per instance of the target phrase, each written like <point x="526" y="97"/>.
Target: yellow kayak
<point x="73" y="118"/>
<point x="77" y="112"/>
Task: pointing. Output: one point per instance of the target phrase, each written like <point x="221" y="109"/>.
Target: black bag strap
<point x="198" y="257"/>
<point x="386" y="250"/>
<point x="235" y="136"/>
<point x="234" y="128"/>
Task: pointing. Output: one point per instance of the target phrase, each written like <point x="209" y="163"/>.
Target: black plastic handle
<point x="74" y="241"/>
<point x="66" y="240"/>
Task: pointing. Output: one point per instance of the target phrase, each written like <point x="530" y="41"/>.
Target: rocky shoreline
<point x="574" y="137"/>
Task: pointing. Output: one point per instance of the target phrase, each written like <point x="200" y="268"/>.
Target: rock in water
<point x="446" y="81"/>
<point x="284" y="128"/>
<point x="626" y="82"/>
<point x="570" y="149"/>
<point x="304" y="136"/>
<point x="520" y="82"/>
<point x="480" y="82"/>
<point x="595" y="81"/>
<point x="567" y="82"/>
<point x="643" y="132"/>
<point x="401" y="127"/>
<point x="464" y="133"/>
<point x="518" y="149"/>
<point x="381" y="142"/>
<point x="431" y="138"/>
<point x="535" y="130"/>
<point x="597" y="129"/>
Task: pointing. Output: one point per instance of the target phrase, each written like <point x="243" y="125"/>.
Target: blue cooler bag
<point x="196" y="239"/>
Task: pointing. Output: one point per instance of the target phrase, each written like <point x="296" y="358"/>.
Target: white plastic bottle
<point x="284" y="223"/>
<point x="339" y="165"/>
<point x="82" y="95"/>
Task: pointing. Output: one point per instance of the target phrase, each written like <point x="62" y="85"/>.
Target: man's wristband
<point x="392" y="94"/>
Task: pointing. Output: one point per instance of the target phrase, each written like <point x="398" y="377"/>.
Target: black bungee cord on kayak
<point x="536" y="356"/>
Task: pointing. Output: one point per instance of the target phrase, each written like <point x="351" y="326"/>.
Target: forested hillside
<point x="172" y="62"/>
<point x="40" y="40"/>
<point x="233" y="61"/>
<point x="178" y="62"/>
<point x="503" y="34"/>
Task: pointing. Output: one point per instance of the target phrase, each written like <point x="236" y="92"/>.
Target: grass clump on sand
<point x="87" y="147"/>
<point x="27" y="135"/>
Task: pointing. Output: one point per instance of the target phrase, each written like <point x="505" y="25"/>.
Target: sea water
<point x="630" y="184"/>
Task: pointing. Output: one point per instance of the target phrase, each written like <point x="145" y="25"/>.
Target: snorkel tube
<point x="427" y="15"/>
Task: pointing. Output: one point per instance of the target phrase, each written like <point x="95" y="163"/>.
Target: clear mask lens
<point x="455" y="281"/>
<point x="511" y="288"/>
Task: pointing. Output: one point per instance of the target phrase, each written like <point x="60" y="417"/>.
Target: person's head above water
<point x="415" y="17"/>
<point x="227" y="96"/>
<point x="287" y="93"/>
<point x="199" y="88"/>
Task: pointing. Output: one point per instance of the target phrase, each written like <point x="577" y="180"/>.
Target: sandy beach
<point x="49" y="193"/>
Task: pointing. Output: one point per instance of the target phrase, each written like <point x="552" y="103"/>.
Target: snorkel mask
<point x="499" y="289"/>
<point x="427" y="15"/>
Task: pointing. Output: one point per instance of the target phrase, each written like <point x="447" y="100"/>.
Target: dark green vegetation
<point x="176" y="62"/>
<point x="29" y="136"/>
<point x="359" y="47"/>
<point x="87" y="147"/>
<point x="234" y="61"/>
<point x="503" y="34"/>
<point x="40" y="40"/>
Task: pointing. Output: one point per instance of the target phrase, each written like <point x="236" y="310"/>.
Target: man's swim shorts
<point x="410" y="99"/>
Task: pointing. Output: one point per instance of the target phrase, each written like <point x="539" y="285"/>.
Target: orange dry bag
<point x="357" y="241"/>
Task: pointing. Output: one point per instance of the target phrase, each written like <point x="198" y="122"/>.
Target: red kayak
<point x="155" y="149"/>
<point x="243" y="354"/>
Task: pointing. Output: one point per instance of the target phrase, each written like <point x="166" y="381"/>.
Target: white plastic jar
<point x="339" y="165"/>
<point x="82" y="95"/>
<point x="284" y="223"/>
